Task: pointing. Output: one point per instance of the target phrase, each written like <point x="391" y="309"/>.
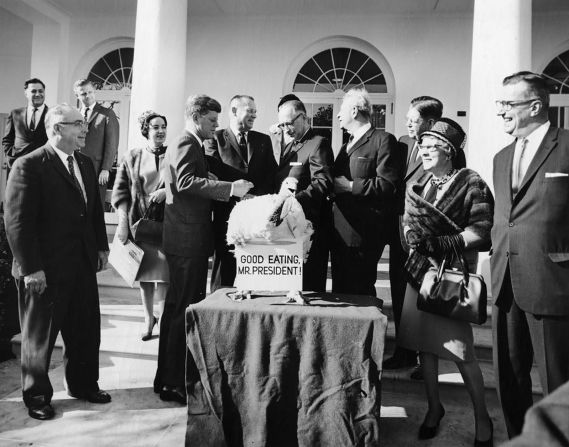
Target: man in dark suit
<point x="25" y="127"/>
<point x="530" y="248"/>
<point x="423" y="112"/>
<point x="56" y="230"/>
<point x="250" y="153"/>
<point x="308" y="157"/>
<point x="188" y="235"/>
<point x="368" y="179"/>
<point x="102" y="133"/>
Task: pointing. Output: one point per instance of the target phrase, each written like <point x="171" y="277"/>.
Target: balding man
<point x="251" y="154"/>
<point x="56" y="230"/>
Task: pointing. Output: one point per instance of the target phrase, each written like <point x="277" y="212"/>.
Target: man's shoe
<point x="399" y="362"/>
<point x="417" y="373"/>
<point x="169" y="394"/>
<point x="42" y="412"/>
<point x="95" y="397"/>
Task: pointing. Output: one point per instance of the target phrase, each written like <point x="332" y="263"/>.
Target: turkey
<point x="271" y="217"/>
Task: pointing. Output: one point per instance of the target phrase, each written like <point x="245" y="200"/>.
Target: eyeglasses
<point x="508" y="105"/>
<point x="414" y="121"/>
<point x="290" y="123"/>
<point x="78" y="123"/>
<point x="432" y="147"/>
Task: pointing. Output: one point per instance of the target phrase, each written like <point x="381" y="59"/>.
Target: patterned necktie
<point x="243" y="146"/>
<point x="75" y="179"/>
<point x="33" y="120"/>
<point x="517" y="171"/>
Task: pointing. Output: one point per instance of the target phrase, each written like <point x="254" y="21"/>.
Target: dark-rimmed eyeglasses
<point x="290" y="123"/>
<point x="432" y="147"/>
<point x="78" y="123"/>
<point x="509" y="105"/>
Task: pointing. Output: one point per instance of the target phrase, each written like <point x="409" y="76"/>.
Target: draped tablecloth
<point x="264" y="373"/>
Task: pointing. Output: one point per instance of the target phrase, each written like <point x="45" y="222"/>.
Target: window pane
<point x="378" y="116"/>
<point x="322" y="115"/>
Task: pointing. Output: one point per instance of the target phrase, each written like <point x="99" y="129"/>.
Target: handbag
<point x="454" y="294"/>
<point x="149" y="228"/>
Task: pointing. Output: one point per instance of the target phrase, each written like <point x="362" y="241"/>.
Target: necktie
<point x="350" y="142"/>
<point x="517" y="168"/>
<point x="414" y="153"/>
<point x="86" y="114"/>
<point x="75" y="179"/>
<point x="243" y="146"/>
<point x="33" y="120"/>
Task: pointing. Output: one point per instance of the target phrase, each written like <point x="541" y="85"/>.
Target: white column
<point x="159" y="67"/>
<point x="501" y="45"/>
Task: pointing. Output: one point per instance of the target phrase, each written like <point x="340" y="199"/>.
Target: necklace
<point x="439" y="182"/>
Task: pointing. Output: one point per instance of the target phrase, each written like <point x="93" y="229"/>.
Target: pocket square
<point x="556" y="174"/>
<point x="295" y="163"/>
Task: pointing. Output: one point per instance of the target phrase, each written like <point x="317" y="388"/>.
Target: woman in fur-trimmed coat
<point x="454" y="206"/>
<point x="137" y="185"/>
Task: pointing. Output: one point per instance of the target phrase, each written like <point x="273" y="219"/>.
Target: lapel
<point x="86" y="174"/>
<point x="59" y="166"/>
<point x="41" y="121"/>
<point x="363" y="140"/>
<point x="547" y="145"/>
<point x="290" y="150"/>
<point x="94" y="113"/>
<point x="232" y="139"/>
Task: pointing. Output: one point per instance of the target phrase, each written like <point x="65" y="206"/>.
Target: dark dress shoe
<point x="399" y="362"/>
<point x="41" y="412"/>
<point x="426" y="432"/>
<point x="148" y="335"/>
<point x="95" y="397"/>
<point x="417" y="373"/>
<point x="169" y="394"/>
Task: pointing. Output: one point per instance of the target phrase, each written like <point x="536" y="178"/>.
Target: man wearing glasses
<point x="56" y="230"/>
<point x="530" y="248"/>
<point x="308" y="157"/>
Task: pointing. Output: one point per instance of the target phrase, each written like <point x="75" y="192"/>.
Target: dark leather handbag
<point x="149" y="228"/>
<point x="453" y="293"/>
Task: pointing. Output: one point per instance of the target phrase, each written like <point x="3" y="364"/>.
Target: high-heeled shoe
<point x="148" y="335"/>
<point x="488" y="442"/>
<point x="426" y="432"/>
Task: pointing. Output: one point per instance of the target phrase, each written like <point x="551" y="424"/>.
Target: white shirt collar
<point x="40" y="109"/>
<point x="237" y="132"/>
<point x="62" y="155"/>
<point x="536" y="137"/>
<point x="360" y="132"/>
<point x="196" y="136"/>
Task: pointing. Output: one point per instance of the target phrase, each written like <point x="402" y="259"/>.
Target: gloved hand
<point x="440" y="245"/>
<point x="413" y="238"/>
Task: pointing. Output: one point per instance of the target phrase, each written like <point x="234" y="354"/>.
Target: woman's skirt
<point x="154" y="267"/>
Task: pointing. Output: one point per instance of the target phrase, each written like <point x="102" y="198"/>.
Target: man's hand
<point x="157" y="196"/>
<point x="103" y="260"/>
<point x="104" y="177"/>
<point x="122" y="233"/>
<point x="342" y="184"/>
<point x="240" y="187"/>
<point x="36" y="282"/>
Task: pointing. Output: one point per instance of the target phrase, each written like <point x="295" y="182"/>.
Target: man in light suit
<point x="308" y="157"/>
<point x="25" y="127"/>
<point x="56" y="230"/>
<point x="250" y="153"/>
<point x="188" y="235"/>
<point x="102" y="133"/>
<point x="530" y="248"/>
<point x="423" y="112"/>
<point x="368" y="179"/>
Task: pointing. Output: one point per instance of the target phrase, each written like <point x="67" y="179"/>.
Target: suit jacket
<point x="189" y="194"/>
<point x="375" y="165"/>
<point x="18" y="139"/>
<point x="260" y="166"/>
<point x="530" y="232"/>
<point x="310" y="162"/>
<point x="48" y="225"/>
<point x="102" y="139"/>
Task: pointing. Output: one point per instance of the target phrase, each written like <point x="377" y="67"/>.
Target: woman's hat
<point x="449" y="131"/>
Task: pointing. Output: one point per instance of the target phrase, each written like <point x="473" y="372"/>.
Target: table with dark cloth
<point x="264" y="373"/>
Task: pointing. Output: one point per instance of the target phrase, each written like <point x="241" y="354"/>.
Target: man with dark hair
<point x="250" y="153"/>
<point x="309" y="159"/>
<point x="423" y="112"/>
<point x="56" y="230"/>
<point x="368" y="179"/>
<point x="530" y="248"/>
<point x="188" y="235"/>
<point x="102" y="140"/>
<point x="25" y="127"/>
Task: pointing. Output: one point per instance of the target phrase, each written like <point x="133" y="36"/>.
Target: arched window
<point x="326" y="75"/>
<point x="113" y="71"/>
<point x="557" y="73"/>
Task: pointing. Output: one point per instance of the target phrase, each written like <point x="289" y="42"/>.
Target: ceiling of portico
<point x="90" y="8"/>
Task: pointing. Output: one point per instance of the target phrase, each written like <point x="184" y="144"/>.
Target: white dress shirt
<point x="358" y="133"/>
<point x="63" y="156"/>
<point x="30" y="112"/>
<point x="89" y="113"/>
<point x="534" y="140"/>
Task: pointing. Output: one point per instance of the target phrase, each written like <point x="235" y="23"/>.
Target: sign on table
<point x="271" y="266"/>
